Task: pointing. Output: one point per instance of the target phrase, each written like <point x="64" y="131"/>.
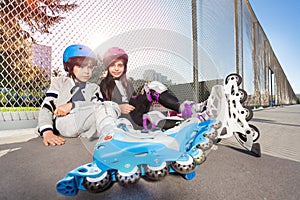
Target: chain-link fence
<point x="187" y="45"/>
<point x="264" y="78"/>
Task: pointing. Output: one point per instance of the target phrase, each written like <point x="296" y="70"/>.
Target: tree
<point x="19" y="20"/>
<point x="39" y="15"/>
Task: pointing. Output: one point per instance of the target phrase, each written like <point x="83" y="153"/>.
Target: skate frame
<point x="230" y="112"/>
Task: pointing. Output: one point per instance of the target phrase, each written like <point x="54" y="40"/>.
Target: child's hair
<point x="78" y="61"/>
<point x="110" y="57"/>
<point x="109" y="84"/>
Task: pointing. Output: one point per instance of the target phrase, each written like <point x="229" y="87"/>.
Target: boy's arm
<point x="46" y="114"/>
<point x="46" y="128"/>
<point x="63" y="110"/>
<point x="49" y="138"/>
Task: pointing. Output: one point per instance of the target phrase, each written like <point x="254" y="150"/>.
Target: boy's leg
<point x="106" y="114"/>
<point x="79" y="122"/>
<point x="67" y="126"/>
<point x="104" y="119"/>
<point x="89" y="121"/>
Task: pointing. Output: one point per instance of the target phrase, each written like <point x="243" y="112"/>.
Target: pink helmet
<point x="112" y="54"/>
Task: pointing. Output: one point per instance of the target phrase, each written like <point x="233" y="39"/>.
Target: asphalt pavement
<point x="30" y="171"/>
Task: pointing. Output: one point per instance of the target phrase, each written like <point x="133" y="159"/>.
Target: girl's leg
<point x="156" y="91"/>
<point x="169" y="101"/>
<point x="142" y="106"/>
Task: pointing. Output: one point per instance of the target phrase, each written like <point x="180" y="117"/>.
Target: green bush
<point x="18" y="109"/>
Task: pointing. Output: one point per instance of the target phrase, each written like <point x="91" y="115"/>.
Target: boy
<point x="73" y="106"/>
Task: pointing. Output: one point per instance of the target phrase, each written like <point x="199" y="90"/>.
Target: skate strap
<point x="152" y="94"/>
<point x="148" y="95"/>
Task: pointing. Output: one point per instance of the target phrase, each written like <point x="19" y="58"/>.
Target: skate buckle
<point x="108" y="137"/>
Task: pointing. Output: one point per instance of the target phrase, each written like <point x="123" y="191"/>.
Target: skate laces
<point x="200" y="107"/>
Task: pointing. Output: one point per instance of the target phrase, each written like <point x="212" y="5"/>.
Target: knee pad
<point x="154" y="89"/>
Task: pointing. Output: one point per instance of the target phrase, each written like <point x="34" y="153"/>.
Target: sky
<point x="280" y="20"/>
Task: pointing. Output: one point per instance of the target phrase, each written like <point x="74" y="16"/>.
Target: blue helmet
<point x="78" y="50"/>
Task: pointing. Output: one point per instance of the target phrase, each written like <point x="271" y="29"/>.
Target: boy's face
<point x="84" y="72"/>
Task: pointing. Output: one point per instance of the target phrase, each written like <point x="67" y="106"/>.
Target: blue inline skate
<point x="125" y="155"/>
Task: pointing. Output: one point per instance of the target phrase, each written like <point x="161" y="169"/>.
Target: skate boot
<point x="235" y="117"/>
<point x="191" y="109"/>
<point x="156" y="119"/>
<point x="125" y="155"/>
<point x="207" y="110"/>
<point x="153" y="118"/>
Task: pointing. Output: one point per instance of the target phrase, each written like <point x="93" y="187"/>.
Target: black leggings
<point x="142" y="105"/>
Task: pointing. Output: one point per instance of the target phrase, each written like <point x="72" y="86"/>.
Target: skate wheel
<point x="232" y="77"/>
<point x="211" y="135"/>
<point x="98" y="184"/>
<point x="205" y="145"/>
<point x="242" y="94"/>
<point x="157" y="173"/>
<point x="217" y="125"/>
<point x="130" y="177"/>
<point x="254" y="131"/>
<point x="184" y="167"/>
<point x="249" y="113"/>
<point x="200" y="157"/>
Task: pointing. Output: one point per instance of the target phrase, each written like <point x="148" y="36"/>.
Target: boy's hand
<point x="126" y="108"/>
<point x="63" y="110"/>
<point x="49" y="138"/>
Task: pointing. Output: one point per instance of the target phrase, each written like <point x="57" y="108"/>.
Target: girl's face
<point x="83" y="73"/>
<point x="117" y="69"/>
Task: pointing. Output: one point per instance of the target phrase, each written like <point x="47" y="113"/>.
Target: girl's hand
<point x="63" y="110"/>
<point x="49" y="138"/>
<point x="126" y="108"/>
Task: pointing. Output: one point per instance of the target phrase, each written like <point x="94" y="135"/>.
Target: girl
<point x="117" y="88"/>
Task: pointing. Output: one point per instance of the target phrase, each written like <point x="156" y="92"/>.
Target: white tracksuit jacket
<point x="87" y="118"/>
